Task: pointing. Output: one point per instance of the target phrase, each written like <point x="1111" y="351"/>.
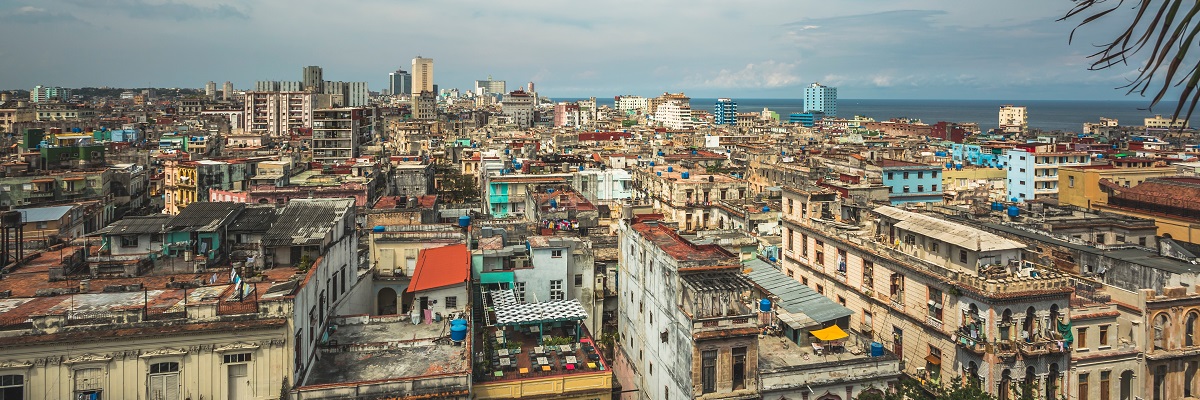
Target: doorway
<point x="387" y="301"/>
<point x="239" y="386"/>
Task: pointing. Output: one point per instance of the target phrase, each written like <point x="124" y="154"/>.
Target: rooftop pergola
<point x="511" y="313"/>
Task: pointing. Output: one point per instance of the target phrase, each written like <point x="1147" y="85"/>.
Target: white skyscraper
<point x="1013" y="119"/>
<point x="821" y="98"/>
<point x="422" y="75"/>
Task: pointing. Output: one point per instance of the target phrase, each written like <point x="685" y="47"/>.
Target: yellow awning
<point x="830" y="333"/>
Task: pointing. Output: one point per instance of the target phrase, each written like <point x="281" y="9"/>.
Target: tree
<point x="1163" y="32"/>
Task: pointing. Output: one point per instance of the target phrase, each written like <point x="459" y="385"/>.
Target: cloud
<point x="767" y="74"/>
<point x="34" y="15"/>
<point x="169" y="9"/>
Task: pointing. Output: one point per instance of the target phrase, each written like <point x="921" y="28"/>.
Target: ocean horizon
<point x="1048" y="115"/>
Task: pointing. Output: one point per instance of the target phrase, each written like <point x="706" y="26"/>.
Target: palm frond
<point x="1167" y="31"/>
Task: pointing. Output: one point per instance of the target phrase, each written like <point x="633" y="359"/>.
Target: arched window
<point x="1052" y="382"/>
<point x="1189" y="334"/>
<point x="1161" y="326"/>
<point x="1030" y="325"/>
<point x="1005" y="388"/>
<point x="1006" y="321"/>
<point x="1126" y="385"/>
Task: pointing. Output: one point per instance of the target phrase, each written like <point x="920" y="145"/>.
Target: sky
<point x="890" y="49"/>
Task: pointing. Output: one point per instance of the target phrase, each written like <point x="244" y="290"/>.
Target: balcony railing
<point x="1044" y="347"/>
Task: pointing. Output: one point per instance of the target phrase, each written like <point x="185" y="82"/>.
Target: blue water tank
<point x="659" y="173"/>
<point x="997" y="206"/>
<point x="464" y="221"/>
<point x="458" y="321"/>
<point x="550" y="190"/>
<point x="693" y="152"/>
<point x="553" y="203"/>
<point x="940" y="153"/>
<point x="772" y="258"/>
<point x="378" y="228"/>
<point x="458" y="333"/>
<point x="766" y="209"/>
<point x="876" y="349"/>
<point x="764" y="305"/>
<point x="1102" y="156"/>
<point x="652" y="163"/>
<point x="958" y="167"/>
<point x="686" y="175"/>
<point x="506" y="151"/>
<point x="660" y="154"/>
<point x="670" y="168"/>
<point x="76" y="130"/>
<point x="1014" y="211"/>
<point x="949" y="165"/>
<point x="581" y="168"/>
<point x="1014" y="200"/>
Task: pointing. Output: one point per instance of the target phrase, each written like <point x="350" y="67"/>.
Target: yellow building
<point x="179" y="185"/>
<point x="1080" y="185"/>
<point x="967" y="178"/>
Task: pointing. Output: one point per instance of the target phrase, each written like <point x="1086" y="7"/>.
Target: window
<point x="933" y="188"/>
<point x="962" y="256"/>
<point x="897" y="288"/>
<point x="935" y="303"/>
<point x="906" y="189"/>
<point x="1083" y="386"/>
<point x="738" y="368"/>
<point x="1100" y="238"/>
<point x="1070" y="181"/>
<point x="519" y="289"/>
<point x="891" y="175"/>
<point x="556" y="253"/>
<point x="906" y="175"/>
<point x="791" y="236"/>
<point x="1142" y="241"/>
<point x="129" y="241"/>
<point x="89" y="382"/>
<point x="1105" y="383"/>
<point x="933" y="247"/>
<point x="1081" y="338"/>
<point x="803" y="245"/>
<point x="920" y="188"/>
<point x="868" y="275"/>
<point x="708" y="371"/>
<point x="578" y="280"/>
<point x="164" y="381"/>
<point x="238" y="358"/>
<point x="451" y="302"/>
<point x="1103" y="335"/>
<point x="556" y="290"/>
<point x="12" y="386"/>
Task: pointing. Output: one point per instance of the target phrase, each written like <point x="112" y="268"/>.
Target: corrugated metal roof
<point x="793" y="296"/>
<point x="949" y="232"/>
<point x="204" y="216"/>
<point x="136" y="225"/>
<point x="306" y="222"/>
<point x="43" y="214"/>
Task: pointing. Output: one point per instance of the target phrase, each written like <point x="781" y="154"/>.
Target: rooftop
<point x="681" y="249"/>
<point x="305" y="222"/>
<point x="370" y="349"/>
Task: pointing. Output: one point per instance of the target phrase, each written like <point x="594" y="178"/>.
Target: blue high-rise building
<point x="725" y="112"/>
<point x="821" y="99"/>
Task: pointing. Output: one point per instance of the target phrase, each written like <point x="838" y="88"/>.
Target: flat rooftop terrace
<point x="366" y="349"/>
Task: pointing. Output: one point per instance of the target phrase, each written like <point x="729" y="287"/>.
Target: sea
<point x="1047" y="115"/>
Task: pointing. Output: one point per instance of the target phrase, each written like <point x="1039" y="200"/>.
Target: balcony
<point x="1041" y="348"/>
<point x="969" y="338"/>
<point x="1006" y="349"/>
<point x="38" y="194"/>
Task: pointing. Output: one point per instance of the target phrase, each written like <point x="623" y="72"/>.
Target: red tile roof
<point x="441" y="266"/>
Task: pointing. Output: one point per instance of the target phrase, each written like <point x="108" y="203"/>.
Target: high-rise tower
<point x="422" y="75"/>
<point x="821" y="98"/>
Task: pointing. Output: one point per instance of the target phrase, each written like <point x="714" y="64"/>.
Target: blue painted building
<point x="973" y="154"/>
<point x="821" y="98"/>
<point x="910" y="182"/>
<point x="806" y="119"/>
<point x="1033" y="169"/>
<point x="725" y="112"/>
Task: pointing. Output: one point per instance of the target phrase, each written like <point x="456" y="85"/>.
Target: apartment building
<point x="910" y="182"/>
<point x="1033" y="169"/>
<point x="674" y="114"/>
<point x="1013" y="119"/>
<point x="687" y="197"/>
<point x="518" y="105"/>
<point x="277" y="114"/>
<point x="684" y="330"/>
<point x="955" y="300"/>
<point x="338" y="133"/>
<point x="1081" y="186"/>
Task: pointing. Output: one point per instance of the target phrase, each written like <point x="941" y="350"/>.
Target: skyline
<point x="911" y="49"/>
